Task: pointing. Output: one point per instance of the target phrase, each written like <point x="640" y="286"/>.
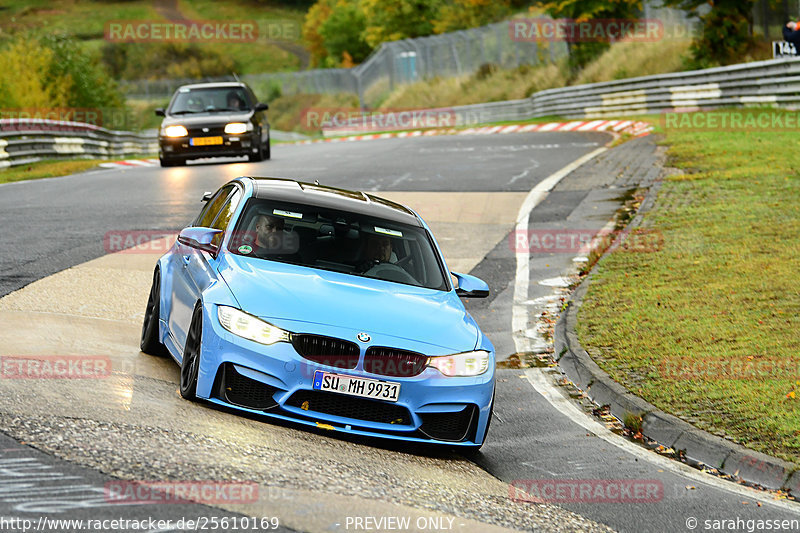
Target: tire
<point x="150" y="342"/>
<point x="259" y="155"/>
<point x="267" y="151"/>
<point x="190" y="364"/>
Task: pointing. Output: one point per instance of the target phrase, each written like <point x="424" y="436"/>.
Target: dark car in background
<point x="213" y="120"/>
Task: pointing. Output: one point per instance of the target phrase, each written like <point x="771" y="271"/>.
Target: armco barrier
<point x="775" y="82"/>
<point x="772" y="82"/>
<point x="24" y="141"/>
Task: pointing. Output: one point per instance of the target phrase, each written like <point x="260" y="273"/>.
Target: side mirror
<point x="200" y="238"/>
<point x="470" y="286"/>
<point x="261" y="106"/>
<point x="160" y="112"/>
<point x="207" y="196"/>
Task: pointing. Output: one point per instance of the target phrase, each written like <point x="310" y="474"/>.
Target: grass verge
<point x="707" y="326"/>
<point x="48" y="169"/>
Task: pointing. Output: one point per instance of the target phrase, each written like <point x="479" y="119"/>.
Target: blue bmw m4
<point x="323" y="306"/>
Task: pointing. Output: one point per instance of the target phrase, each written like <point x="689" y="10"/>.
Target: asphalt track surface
<point x="50" y="225"/>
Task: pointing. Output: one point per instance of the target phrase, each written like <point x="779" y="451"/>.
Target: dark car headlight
<point x="235" y="128"/>
<point x="461" y="364"/>
<point x="175" y="131"/>
<point x="250" y="327"/>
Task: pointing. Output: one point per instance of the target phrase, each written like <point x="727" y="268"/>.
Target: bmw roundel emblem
<point x="363" y="337"/>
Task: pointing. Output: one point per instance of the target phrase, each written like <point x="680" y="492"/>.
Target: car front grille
<point x="451" y="427"/>
<point x="213" y="130"/>
<point x="350" y="407"/>
<point x="328" y="351"/>
<point x="245" y="392"/>
<point x="394" y="362"/>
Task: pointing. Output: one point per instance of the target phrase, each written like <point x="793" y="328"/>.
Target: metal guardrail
<point x="774" y="82"/>
<point x="24" y="141"/>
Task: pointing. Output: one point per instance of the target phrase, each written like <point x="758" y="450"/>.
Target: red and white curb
<point x="128" y="163"/>
<point x="635" y="128"/>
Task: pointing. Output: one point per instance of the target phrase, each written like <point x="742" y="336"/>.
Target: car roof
<point x="300" y="192"/>
<point x="214" y="85"/>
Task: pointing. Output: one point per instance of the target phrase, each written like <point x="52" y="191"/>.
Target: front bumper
<point x="181" y="147"/>
<point x="275" y="381"/>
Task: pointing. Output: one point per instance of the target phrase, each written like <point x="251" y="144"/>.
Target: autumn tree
<point x="392" y="20"/>
<point x="726" y="30"/>
<point x="462" y="14"/>
<point x="581" y="53"/>
<point x="315" y="18"/>
<point x="343" y="33"/>
<point x="53" y="72"/>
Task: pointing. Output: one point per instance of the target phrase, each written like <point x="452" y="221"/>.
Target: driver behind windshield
<point x="378" y="249"/>
<point x="235" y="102"/>
<point x="269" y="232"/>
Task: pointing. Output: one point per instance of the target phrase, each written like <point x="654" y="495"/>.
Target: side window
<point x="212" y="208"/>
<point x="227" y="210"/>
<point x="225" y="215"/>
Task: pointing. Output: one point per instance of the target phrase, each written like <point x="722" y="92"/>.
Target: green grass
<point x="48" y="169"/>
<point x="86" y="20"/>
<point x="708" y="326"/>
<point x="487" y="85"/>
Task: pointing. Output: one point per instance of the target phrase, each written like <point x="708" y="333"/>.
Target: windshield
<point x="209" y="100"/>
<point x="337" y="240"/>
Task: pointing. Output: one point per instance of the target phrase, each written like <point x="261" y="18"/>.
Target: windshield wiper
<point x="184" y="112"/>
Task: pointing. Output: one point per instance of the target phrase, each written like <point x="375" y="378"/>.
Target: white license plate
<point x="353" y="386"/>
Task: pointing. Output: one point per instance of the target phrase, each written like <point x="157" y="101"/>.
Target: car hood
<point x="201" y="119"/>
<point x="272" y="290"/>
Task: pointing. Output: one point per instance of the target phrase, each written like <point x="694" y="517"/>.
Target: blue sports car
<point x="323" y="306"/>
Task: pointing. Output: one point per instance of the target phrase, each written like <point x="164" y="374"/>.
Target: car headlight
<point x="250" y="327"/>
<point x="461" y="364"/>
<point x="175" y="131"/>
<point x="235" y="128"/>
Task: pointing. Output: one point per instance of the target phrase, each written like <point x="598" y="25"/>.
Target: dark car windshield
<point x="337" y="240"/>
<point x="209" y="100"/>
